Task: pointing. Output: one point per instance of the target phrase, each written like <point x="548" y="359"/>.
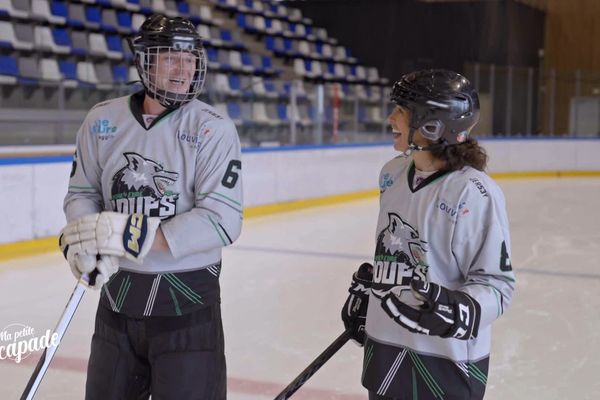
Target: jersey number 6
<point x="231" y="175"/>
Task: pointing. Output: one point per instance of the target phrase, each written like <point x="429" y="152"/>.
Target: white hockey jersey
<point x="455" y="224"/>
<point x="184" y="168"/>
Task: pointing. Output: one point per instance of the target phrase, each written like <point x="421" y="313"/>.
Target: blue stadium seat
<point x="226" y="35"/>
<point x="124" y="21"/>
<point x="308" y="30"/>
<point x="93" y="14"/>
<point x="329" y="73"/>
<point x="267" y="64"/>
<point x="234" y="111"/>
<point x="121" y="73"/>
<point x="59" y="9"/>
<point x="68" y="69"/>
<point x="240" y="19"/>
<point x="61" y="36"/>
<point x="183" y="7"/>
<point x="270" y="87"/>
<point x="247" y="62"/>
<point x="270" y="43"/>
<point x="291" y="28"/>
<point x="234" y="84"/>
<point x="268" y="24"/>
<point x="288" y="47"/>
<point x="8" y="66"/>
<point x="113" y="42"/>
<point x="282" y="112"/>
<point x="286" y="89"/>
<point x="213" y="57"/>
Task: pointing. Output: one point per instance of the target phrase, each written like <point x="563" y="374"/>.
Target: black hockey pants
<point x="179" y="357"/>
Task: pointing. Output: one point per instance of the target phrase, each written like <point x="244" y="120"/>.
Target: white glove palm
<point x="113" y="234"/>
<point x="84" y="264"/>
<point x="106" y="267"/>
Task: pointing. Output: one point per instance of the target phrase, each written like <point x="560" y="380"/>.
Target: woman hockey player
<point x="155" y="193"/>
<point x="442" y="272"/>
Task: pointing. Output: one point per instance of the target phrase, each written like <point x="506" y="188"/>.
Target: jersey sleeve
<point x="216" y="218"/>
<point x="84" y="195"/>
<point x="482" y="247"/>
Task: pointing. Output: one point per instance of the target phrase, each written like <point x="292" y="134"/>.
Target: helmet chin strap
<point x="415" y="147"/>
<point x="411" y="145"/>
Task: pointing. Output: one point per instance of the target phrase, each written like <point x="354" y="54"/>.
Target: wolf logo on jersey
<point x="399" y="256"/>
<point x="141" y="187"/>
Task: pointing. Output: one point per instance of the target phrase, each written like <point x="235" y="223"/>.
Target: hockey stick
<point x="61" y="327"/>
<point x="314" y="366"/>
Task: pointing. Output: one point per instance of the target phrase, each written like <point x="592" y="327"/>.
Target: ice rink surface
<point x="285" y="279"/>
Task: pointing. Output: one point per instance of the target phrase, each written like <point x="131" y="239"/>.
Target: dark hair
<point x="466" y="153"/>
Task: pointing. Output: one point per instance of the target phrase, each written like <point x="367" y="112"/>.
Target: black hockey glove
<point x="445" y="312"/>
<point x="354" y="312"/>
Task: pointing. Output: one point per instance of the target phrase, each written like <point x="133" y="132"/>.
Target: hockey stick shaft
<point x="59" y="331"/>
<point x="314" y="366"/>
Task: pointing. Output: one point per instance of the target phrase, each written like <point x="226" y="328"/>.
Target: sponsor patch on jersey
<point x="103" y="129"/>
<point x="193" y="140"/>
<point x="399" y="256"/>
<point x="141" y="186"/>
<point x="386" y="182"/>
<point x="452" y="211"/>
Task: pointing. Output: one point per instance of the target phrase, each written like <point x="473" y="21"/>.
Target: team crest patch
<point x="399" y="256"/>
<point x="142" y="186"/>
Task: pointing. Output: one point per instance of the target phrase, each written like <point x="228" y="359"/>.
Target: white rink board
<point x="33" y="204"/>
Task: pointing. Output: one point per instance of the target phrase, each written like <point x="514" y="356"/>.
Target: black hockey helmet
<point x="443" y="105"/>
<point x="159" y="34"/>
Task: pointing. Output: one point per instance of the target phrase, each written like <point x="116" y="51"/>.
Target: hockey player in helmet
<point x="441" y="273"/>
<point x="154" y="195"/>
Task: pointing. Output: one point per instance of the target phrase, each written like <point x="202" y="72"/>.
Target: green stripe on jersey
<point x="221" y="195"/>
<point x="433" y="386"/>
<point x="415" y="391"/>
<point x="477" y="373"/>
<point x="123" y="290"/>
<point x="175" y="301"/>
<point x="184" y="289"/>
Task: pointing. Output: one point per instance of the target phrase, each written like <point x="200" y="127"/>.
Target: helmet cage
<point x="148" y="46"/>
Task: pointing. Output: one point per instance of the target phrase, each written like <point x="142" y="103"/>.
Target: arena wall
<point x="34" y="185"/>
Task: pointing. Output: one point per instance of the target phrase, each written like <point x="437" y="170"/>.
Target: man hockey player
<point x="442" y="272"/>
<point x="155" y="193"/>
